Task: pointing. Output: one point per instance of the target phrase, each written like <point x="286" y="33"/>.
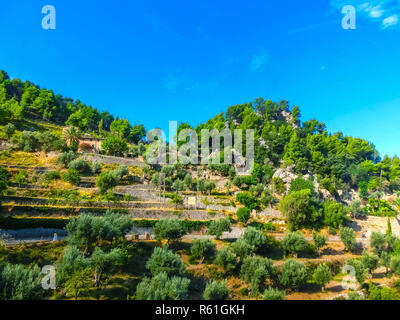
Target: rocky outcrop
<point x="289" y="118"/>
<point x="286" y="174"/>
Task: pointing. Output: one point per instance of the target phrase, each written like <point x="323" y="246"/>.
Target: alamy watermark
<point x="349" y="21"/>
<point x="49" y="20"/>
<point x="349" y="280"/>
<point x="204" y="150"/>
<point x="49" y="280"/>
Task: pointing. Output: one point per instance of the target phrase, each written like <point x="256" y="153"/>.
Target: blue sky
<point x="155" y="61"/>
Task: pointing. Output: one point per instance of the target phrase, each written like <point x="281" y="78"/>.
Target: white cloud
<point x="390" y="21"/>
<point x="382" y="11"/>
<point x="202" y="33"/>
<point x="375" y="12"/>
<point x="171" y="81"/>
<point x="258" y="61"/>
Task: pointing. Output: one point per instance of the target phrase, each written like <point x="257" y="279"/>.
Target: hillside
<point x="67" y="168"/>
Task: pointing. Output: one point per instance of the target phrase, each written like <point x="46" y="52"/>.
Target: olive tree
<point x="203" y="249"/>
<point x="20" y="283"/>
<point x="162" y="287"/>
<point x="242" y="248"/>
<point x="294" y="242"/>
<point x="216" y="290"/>
<point x="255" y="270"/>
<point x="385" y="260"/>
<point x="78" y="284"/>
<point x="257" y="239"/>
<point x="243" y="214"/>
<point x="170" y="229"/>
<point x="322" y="275"/>
<point x="370" y="262"/>
<point x="226" y="258"/>
<point x="348" y="237"/>
<point x="395" y="265"/>
<point x="86" y="229"/>
<point x="378" y="242"/>
<point x="71" y="261"/>
<point x="358" y="268"/>
<point x="217" y="227"/>
<point x="164" y="260"/>
<point x="319" y="241"/>
<point x="107" y="180"/>
<point x="293" y="274"/>
<point x="299" y="209"/>
<point x="103" y="262"/>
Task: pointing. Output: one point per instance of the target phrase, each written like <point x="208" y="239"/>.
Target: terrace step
<point x="20" y="167"/>
<point x="113" y="160"/>
<point x="20" y="200"/>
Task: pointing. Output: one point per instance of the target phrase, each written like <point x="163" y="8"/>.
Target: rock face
<point x="4" y="145"/>
<point x="286" y="174"/>
<point x="289" y="118"/>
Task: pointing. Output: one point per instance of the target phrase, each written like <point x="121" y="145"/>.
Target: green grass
<point x="32" y="253"/>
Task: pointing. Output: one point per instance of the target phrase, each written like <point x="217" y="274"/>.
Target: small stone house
<point x="89" y="144"/>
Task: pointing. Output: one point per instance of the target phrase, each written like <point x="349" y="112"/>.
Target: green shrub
<point x="322" y="275"/>
<point x="21" y="177"/>
<point x="72" y="176"/>
<point x="113" y="145"/>
<point x="96" y="167"/>
<point x="226" y="258"/>
<point x="255" y="270"/>
<point x="107" y="181"/>
<point x="51" y="176"/>
<point x="242" y="248"/>
<point x="65" y="158"/>
<point x="203" y="249"/>
<point x="9" y="129"/>
<point x="257" y="239"/>
<point x="243" y="215"/>
<point x="274" y="294"/>
<point x="72" y="260"/>
<point x="164" y="260"/>
<point x="162" y="287"/>
<point x="217" y="227"/>
<point x="299" y="209"/>
<point x="395" y="265"/>
<point x="246" y="199"/>
<point x="19" y="283"/>
<point x="359" y="269"/>
<point x="294" y="242"/>
<point x="300" y="184"/>
<point x="355" y="296"/>
<point x="170" y="229"/>
<point x="293" y="274"/>
<point x="216" y="290"/>
<point x="356" y="210"/>
<point x="370" y="261"/>
<point x="319" y="240"/>
<point x="333" y="213"/>
<point x="384" y="293"/>
<point x="80" y="165"/>
<point x="348" y="237"/>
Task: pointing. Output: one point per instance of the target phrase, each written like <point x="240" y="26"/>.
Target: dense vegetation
<point x="334" y="179"/>
<point x="22" y="103"/>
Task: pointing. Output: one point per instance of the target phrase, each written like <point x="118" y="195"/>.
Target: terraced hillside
<point x="77" y="194"/>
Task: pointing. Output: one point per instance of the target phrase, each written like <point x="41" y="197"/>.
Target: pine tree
<point x="389" y="228"/>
